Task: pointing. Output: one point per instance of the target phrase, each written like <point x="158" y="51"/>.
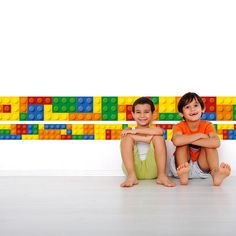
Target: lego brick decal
<point x="88" y="131"/>
<point x="116" y="109"/>
<point x="104" y="108"/>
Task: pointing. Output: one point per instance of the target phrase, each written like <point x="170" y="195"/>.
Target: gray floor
<point x="98" y="206"/>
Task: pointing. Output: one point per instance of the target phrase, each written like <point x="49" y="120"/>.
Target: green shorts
<point x="146" y="169"/>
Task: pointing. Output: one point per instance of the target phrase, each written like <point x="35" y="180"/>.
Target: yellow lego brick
<point x="30" y="137"/>
<point x="97" y="104"/>
<point x="78" y="129"/>
<point x="225" y="126"/>
<point x="47" y="109"/>
<point x="63" y="132"/>
<point x="57" y="116"/>
<point x="126" y="100"/>
<point x="118" y="126"/>
<point x="41" y="126"/>
<point x="15" y="108"/>
<point x="77" y="126"/>
<point x="5" y="126"/>
<point x="169" y="134"/>
<point x="5" y="100"/>
<point x="226" y="100"/>
<point x="15" y="100"/>
<point x="167" y="104"/>
<point x="9" y="116"/>
<point x="132" y="125"/>
<point x="122" y="116"/>
<point x="99" y="130"/>
<point x="220" y="136"/>
<point x="99" y="136"/>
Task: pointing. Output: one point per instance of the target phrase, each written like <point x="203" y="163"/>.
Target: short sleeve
<point x="209" y="128"/>
<point x="177" y="128"/>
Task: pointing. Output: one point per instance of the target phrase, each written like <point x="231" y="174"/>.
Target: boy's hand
<point x="128" y="131"/>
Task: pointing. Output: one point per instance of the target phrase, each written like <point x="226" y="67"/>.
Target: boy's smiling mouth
<point x="194" y="114"/>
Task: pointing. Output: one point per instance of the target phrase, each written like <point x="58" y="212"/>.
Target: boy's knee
<point x="209" y="150"/>
<point x="182" y="148"/>
<point x="158" y="140"/>
<point x="127" y="138"/>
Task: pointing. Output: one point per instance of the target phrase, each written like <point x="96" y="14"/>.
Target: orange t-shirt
<point x="205" y="127"/>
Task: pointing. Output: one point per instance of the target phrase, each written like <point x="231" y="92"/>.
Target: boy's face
<point x="192" y="111"/>
<point x="143" y="114"/>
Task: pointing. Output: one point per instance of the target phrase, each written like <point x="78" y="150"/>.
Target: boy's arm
<point x="149" y="131"/>
<point x="141" y="138"/>
<point x="212" y="141"/>
<point x="180" y="139"/>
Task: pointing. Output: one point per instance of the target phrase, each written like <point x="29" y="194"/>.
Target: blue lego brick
<point x="54" y="126"/>
<point x="88" y="137"/>
<point x="10" y="137"/>
<point x="209" y="116"/>
<point x="232" y="134"/>
<point x="35" y="108"/>
<point x="69" y="131"/>
<point x="36" y="116"/>
<point x="30" y="126"/>
<point x="35" y="112"/>
<point x="165" y="134"/>
<point x="85" y="104"/>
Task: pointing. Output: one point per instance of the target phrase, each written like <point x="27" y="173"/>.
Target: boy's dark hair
<point x="187" y="98"/>
<point x="143" y="100"/>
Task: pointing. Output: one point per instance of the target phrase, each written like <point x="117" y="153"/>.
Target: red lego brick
<point x="210" y="103"/>
<point x="66" y="137"/>
<point x="6" y="108"/>
<point x="129" y="115"/>
<point x="36" y="100"/>
<point x="47" y="100"/>
<point x="225" y="134"/>
<point x="108" y="134"/>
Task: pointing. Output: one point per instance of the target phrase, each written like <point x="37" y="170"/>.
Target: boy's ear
<point x="181" y="114"/>
<point x="132" y="114"/>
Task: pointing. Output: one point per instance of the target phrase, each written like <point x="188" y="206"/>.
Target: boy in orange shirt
<point x="196" y="144"/>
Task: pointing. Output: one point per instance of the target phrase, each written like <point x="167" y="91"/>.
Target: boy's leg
<point x="127" y="145"/>
<point x="182" y="158"/>
<point x="209" y="161"/>
<point x="161" y="157"/>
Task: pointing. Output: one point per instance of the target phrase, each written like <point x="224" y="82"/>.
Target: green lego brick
<point x="35" y="129"/>
<point x="234" y="112"/>
<point x="155" y="100"/>
<point x="178" y="117"/>
<point x="124" y="126"/>
<point x="77" y="137"/>
<point x="5" y="131"/>
<point x="23" y="116"/>
<point x="170" y="116"/>
<point x="167" y="116"/>
<point x="215" y="126"/>
<point x="109" y="108"/>
<point x="64" y="104"/>
<point x="110" y="116"/>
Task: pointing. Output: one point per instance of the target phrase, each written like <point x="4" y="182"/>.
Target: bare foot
<point x="164" y="180"/>
<point x="129" y="182"/>
<point x="182" y="172"/>
<point x="219" y="175"/>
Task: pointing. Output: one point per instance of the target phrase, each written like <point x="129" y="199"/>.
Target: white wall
<point x="99" y="48"/>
